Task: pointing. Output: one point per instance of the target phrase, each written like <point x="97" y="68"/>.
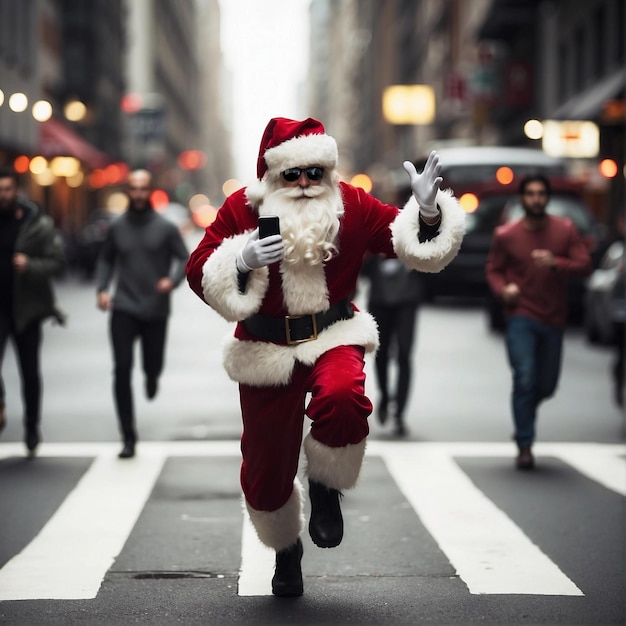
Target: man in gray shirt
<point x="147" y="255"/>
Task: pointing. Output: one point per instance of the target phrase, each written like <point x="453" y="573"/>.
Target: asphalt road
<point x="440" y="529"/>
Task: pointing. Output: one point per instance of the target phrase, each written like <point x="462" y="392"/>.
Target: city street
<point x="440" y="529"/>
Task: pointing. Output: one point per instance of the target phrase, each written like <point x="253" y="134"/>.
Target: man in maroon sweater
<point x="528" y="267"/>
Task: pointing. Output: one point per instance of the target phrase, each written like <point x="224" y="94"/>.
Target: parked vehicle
<point x="468" y="168"/>
<point x="604" y="298"/>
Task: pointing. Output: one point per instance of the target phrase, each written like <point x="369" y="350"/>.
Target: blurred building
<point x="562" y="60"/>
<point x="214" y="104"/>
<point x="359" y="48"/>
<point x="163" y="118"/>
<point x="491" y="65"/>
<point x="63" y="59"/>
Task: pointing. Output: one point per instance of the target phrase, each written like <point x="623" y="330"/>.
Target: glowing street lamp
<point x="75" y="111"/>
<point x="18" y="102"/>
<point x="42" y="110"/>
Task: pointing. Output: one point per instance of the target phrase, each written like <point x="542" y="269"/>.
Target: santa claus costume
<point x="297" y="330"/>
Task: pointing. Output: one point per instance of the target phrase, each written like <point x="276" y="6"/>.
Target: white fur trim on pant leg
<point x="281" y="528"/>
<point x="220" y="282"/>
<point x="429" y="256"/>
<point x="337" y="468"/>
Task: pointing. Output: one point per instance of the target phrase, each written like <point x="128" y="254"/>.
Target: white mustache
<point x="302" y="192"/>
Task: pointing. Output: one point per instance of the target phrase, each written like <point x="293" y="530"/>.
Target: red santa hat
<point x="289" y="143"/>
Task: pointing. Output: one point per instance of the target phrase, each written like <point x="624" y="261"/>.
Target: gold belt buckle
<point x="293" y="342"/>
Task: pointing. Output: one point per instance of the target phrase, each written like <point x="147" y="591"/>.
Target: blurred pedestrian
<point x="395" y="294"/>
<point x="147" y="255"/>
<point x="31" y="254"/>
<point x="528" y="267"/>
<point x="298" y="331"/>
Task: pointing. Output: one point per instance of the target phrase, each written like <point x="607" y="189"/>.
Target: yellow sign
<point x="409" y="104"/>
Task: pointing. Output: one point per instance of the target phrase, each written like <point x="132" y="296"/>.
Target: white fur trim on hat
<point x="336" y="468"/>
<point x="220" y="285"/>
<point x="280" y="529"/>
<point x="265" y="364"/>
<point x="302" y="151"/>
<point x="429" y="256"/>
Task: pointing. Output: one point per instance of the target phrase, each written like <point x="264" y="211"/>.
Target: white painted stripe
<point x="71" y="555"/>
<point x="90" y="448"/>
<point x="69" y="558"/>
<point x="489" y="552"/>
<point x="257" y="563"/>
<point x="599" y="462"/>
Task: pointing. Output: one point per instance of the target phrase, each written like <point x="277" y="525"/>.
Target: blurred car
<point x="468" y="168"/>
<point x="604" y="299"/>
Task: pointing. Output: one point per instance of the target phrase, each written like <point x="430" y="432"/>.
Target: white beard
<point x="309" y="221"/>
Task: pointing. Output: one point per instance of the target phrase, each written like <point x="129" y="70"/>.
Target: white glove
<point x="426" y="185"/>
<point x="260" y="252"/>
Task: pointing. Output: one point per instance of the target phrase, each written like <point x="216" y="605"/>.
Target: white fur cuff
<point x="337" y="468"/>
<point x="429" y="256"/>
<point x="281" y="528"/>
<point x="220" y="284"/>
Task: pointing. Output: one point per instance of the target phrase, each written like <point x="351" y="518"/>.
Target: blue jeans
<point x="534" y="350"/>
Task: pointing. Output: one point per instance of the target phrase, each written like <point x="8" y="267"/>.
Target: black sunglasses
<point x="312" y="173"/>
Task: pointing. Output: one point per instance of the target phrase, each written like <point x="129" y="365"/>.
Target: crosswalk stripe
<point x="69" y="558"/>
<point x="490" y="553"/>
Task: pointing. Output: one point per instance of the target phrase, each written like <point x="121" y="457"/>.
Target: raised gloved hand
<point x="426" y="185"/>
<point x="260" y="252"/>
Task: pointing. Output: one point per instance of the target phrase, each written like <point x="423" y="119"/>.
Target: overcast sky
<point x="265" y="45"/>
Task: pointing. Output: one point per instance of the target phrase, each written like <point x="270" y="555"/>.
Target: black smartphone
<point x="268" y="225"/>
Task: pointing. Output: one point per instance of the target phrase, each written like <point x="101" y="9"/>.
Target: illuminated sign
<point x="571" y="138"/>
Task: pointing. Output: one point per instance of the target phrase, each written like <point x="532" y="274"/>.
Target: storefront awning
<point x="588" y="105"/>
<point x="56" y="139"/>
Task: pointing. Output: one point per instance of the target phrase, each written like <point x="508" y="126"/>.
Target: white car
<point x="604" y="298"/>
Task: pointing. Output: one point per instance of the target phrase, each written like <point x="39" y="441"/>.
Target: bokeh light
<point x="504" y="175"/>
<point x="230" y="186"/>
<point x="608" y="168"/>
<point x="18" y="102"/>
<point x="75" y="111"/>
<point x="469" y="202"/>
<point x="363" y="181"/>
<point x="42" y="110"/>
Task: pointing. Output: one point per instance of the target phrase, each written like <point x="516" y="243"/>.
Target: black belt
<point x="292" y="329"/>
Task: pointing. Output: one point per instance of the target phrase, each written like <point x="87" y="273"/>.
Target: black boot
<point x="32" y="439"/>
<point x="399" y="430"/>
<point x="128" y="451"/>
<point x="287" y="581"/>
<point x="326" y="523"/>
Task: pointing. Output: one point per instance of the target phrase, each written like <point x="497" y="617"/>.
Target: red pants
<point x="273" y="422"/>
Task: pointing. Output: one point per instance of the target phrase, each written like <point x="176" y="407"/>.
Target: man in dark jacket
<point x="31" y="253"/>
<point x="148" y="254"/>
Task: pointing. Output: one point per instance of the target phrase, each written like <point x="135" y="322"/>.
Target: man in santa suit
<point x="297" y="330"/>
